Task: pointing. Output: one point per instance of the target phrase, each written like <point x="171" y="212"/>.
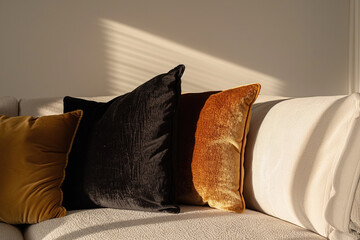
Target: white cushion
<point x="50" y="106"/>
<point x="10" y="232"/>
<point x="302" y="161"/>
<point x="192" y="223"/>
<point x="8" y="106"/>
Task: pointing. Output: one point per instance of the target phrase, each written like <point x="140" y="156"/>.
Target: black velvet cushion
<point x="123" y="153"/>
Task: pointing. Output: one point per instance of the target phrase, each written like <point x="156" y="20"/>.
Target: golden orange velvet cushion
<point x="212" y="130"/>
<point x="33" y="157"/>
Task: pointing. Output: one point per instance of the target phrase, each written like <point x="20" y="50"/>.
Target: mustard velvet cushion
<point x="33" y="157"/>
<point x="212" y="137"/>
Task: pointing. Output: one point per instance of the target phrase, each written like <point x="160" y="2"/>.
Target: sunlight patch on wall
<point x="134" y="56"/>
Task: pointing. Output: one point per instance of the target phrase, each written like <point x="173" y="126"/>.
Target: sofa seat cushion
<point x="10" y="232"/>
<point x="194" y="222"/>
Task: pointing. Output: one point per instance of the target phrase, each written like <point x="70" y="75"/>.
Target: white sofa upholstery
<point x="302" y="162"/>
<point x="9" y="106"/>
<point x="191" y="223"/>
<point x="9" y="232"/>
<point x="298" y="172"/>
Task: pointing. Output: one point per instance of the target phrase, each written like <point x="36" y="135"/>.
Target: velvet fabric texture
<point x="75" y="196"/>
<point x="212" y="137"/>
<point x="127" y="156"/>
<point x="33" y="156"/>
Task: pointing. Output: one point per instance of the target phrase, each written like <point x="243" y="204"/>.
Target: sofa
<point x="315" y="195"/>
<point x="156" y="163"/>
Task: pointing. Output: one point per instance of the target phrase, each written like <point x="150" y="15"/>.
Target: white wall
<point x="88" y="47"/>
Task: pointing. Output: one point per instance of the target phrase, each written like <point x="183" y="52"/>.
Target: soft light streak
<point x="135" y="56"/>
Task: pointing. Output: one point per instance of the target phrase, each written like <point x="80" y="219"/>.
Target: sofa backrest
<point x="49" y="106"/>
<point x="9" y="106"/>
<point x="302" y="161"/>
